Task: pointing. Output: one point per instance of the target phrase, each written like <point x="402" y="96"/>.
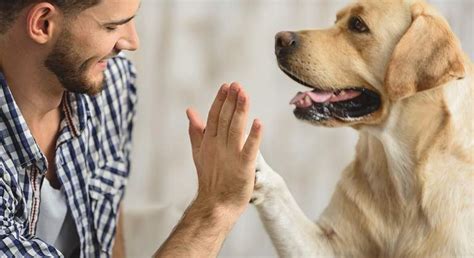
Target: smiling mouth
<point x="349" y="104"/>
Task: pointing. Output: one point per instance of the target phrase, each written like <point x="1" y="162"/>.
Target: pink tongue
<point x="306" y="99"/>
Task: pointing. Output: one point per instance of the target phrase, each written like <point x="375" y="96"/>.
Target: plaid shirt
<point x="92" y="161"/>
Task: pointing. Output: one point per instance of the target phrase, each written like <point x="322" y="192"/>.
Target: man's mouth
<point x="348" y="104"/>
<point x="102" y="64"/>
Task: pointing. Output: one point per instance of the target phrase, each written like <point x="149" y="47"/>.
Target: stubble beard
<point x="70" y="69"/>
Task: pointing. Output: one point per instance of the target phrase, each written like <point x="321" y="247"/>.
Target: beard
<point x="66" y="62"/>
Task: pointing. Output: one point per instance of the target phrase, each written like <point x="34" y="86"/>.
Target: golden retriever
<point x="394" y="71"/>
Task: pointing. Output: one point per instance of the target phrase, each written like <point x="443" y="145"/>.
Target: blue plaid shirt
<point x="92" y="161"/>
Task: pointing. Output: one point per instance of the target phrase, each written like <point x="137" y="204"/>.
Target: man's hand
<point x="225" y="162"/>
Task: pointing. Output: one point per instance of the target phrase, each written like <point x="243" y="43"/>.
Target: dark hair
<point x="9" y="9"/>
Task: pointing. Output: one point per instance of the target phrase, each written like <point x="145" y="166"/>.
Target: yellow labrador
<point x="394" y="71"/>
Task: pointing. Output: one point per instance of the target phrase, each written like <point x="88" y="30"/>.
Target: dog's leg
<point x="292" y="233"/>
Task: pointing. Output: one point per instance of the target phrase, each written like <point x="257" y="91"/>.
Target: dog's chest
<point x="444" y="231"/>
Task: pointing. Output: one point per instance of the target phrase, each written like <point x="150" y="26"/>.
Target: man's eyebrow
<point x="119" y="22"/>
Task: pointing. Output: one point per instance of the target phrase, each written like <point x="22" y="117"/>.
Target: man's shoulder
<point x="119" y="83"/>
<point x="8" y="171"/>
<point x="120" y="67"/>
<point x="118" y="98"/>
<point x="120" y="74"/>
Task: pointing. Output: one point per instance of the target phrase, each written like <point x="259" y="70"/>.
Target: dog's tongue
<point x="306" y="99"/>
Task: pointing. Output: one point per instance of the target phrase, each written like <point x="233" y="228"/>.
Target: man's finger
<point x="227" y="113"/>
<point x="252" y="145"/>
<point x="213" y="117"/>
<point x="196" y="129"/>
<point x="239" y="122"/>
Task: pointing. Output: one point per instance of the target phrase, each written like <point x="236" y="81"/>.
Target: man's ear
<point x="427" y="56"/>
<point x="42" y="21"/>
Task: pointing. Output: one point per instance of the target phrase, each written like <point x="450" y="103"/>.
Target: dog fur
<point x="410" y="190"/>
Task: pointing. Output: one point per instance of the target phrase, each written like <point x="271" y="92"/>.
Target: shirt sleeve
<point x="13" y="242"/>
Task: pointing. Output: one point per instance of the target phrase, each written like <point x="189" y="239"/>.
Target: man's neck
<point x="39" y="103"/>
<point x="36" y="90"/>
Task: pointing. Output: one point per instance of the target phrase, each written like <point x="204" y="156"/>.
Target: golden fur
<point x="410" y="190"/>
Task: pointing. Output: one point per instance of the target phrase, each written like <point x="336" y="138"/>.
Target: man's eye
<point x="356" y="24"/>
<point x="110" y="28"/>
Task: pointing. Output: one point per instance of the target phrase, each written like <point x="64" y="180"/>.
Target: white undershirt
<point x="55" y="223"/>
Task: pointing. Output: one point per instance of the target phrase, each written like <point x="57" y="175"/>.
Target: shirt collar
<point x="76" y="108"/>
<point x="14" y="132"/>
<point x="17" y="137"/>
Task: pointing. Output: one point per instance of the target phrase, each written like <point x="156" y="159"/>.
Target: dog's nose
<point x="285" y="43"/>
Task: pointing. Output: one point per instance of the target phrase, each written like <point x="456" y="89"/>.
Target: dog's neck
<point x="393" y="156"/>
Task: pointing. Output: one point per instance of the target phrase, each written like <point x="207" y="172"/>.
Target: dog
<point x="394" y="71"/>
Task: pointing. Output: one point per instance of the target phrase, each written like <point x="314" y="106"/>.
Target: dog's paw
<point x="258" y="194"/>
<point x="266" y="181"/>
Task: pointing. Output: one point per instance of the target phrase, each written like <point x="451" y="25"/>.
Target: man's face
<point x="79" y="57"/>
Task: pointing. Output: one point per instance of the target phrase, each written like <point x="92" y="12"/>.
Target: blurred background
<point x="188" y="49"/>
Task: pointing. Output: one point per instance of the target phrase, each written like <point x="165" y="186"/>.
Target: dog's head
<point x="377" y="53"/>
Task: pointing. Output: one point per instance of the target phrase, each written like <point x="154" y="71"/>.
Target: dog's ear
<point x="428" y="55"/>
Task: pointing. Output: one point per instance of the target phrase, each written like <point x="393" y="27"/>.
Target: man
<point x="67" y="102"/>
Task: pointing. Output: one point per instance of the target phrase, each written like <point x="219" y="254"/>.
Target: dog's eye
<point x="356" y="24"/>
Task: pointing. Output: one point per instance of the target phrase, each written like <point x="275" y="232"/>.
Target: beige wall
<point x="188" y="48"/>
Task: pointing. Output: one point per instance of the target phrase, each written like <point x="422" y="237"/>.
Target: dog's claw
<point x="266" y="181"/>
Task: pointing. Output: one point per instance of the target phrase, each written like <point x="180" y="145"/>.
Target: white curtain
<point x="188" y="48"/>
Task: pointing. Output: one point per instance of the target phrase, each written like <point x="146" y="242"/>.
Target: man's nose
<point x="285" y="43"/>
<point x="129" y="40"/>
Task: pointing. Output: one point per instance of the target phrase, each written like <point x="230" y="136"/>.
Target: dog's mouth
<point x="349" y="104"/>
